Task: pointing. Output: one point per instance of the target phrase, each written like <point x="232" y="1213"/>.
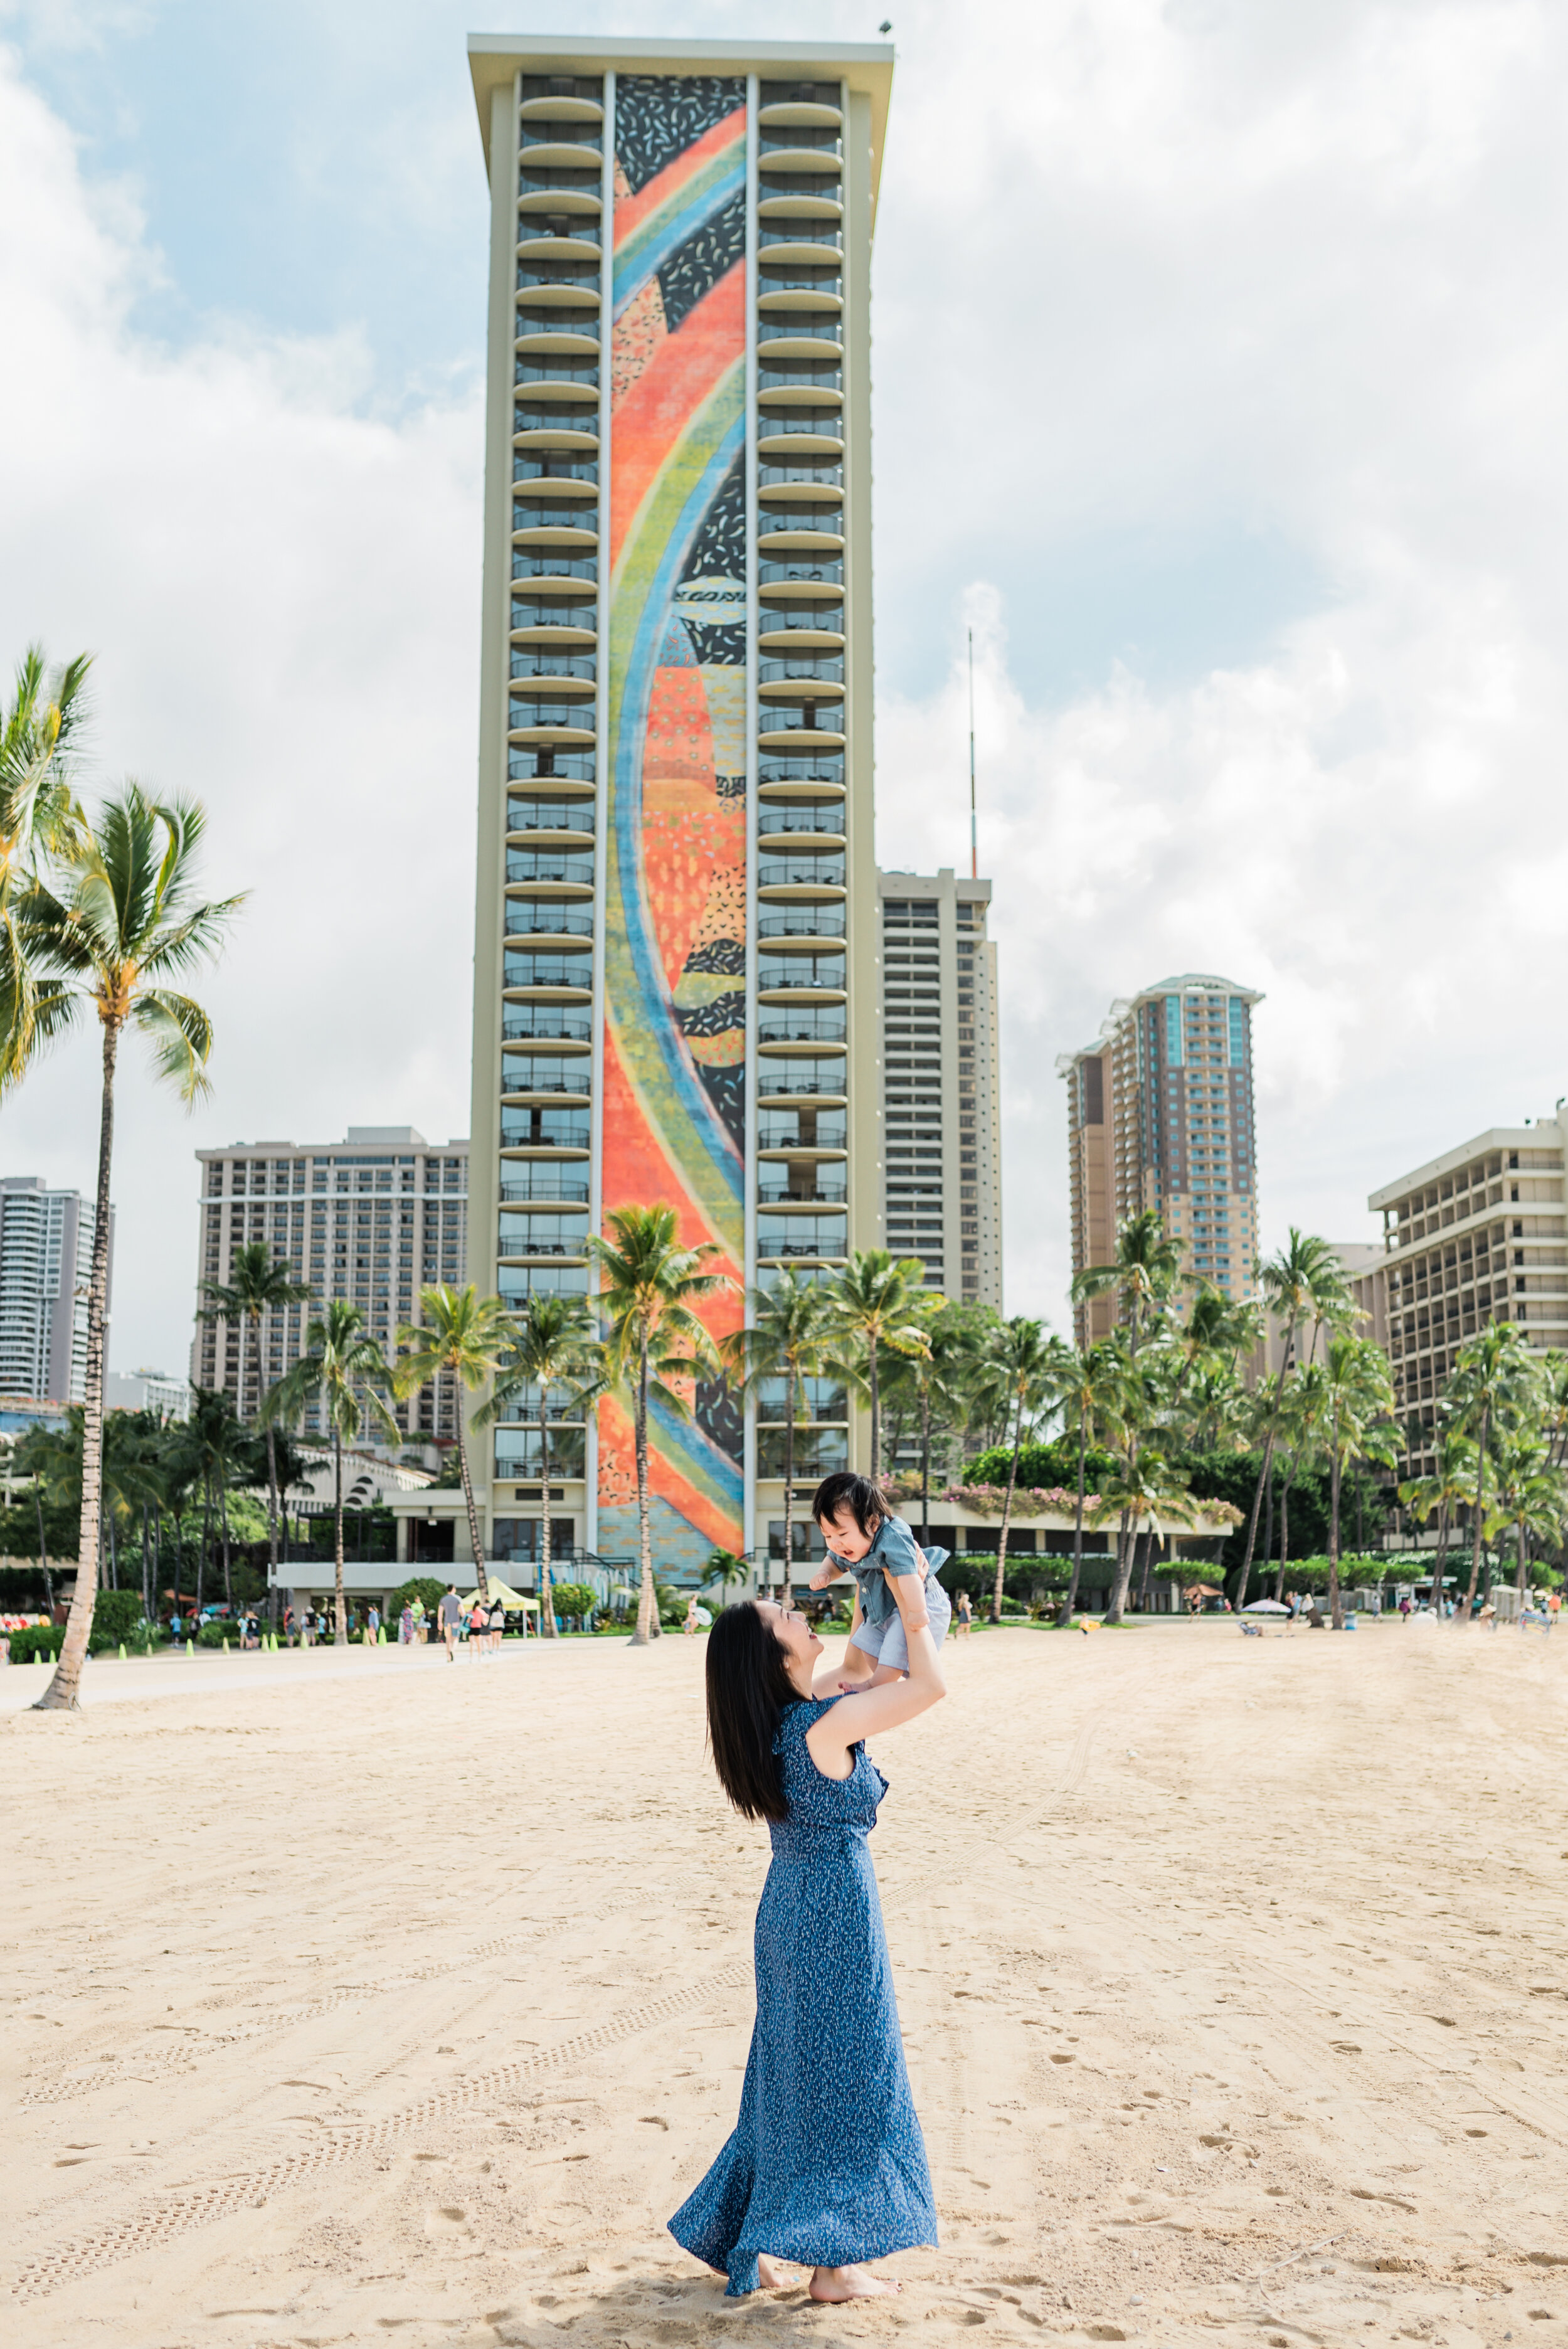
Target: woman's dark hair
<point x="748" y="1686"/>
<point x="856" y="1493"/>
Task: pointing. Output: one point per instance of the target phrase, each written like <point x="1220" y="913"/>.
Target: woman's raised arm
<point x="829" y="1740"/>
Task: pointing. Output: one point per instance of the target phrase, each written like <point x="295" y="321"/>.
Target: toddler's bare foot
<point x="770" y="2276"/>
<point x="848" y="2283"/>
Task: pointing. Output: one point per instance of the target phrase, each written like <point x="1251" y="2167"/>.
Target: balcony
<point x="804" y="530"/>
<point x="800" y="204"/>
<point x="546" y="1025"/>
<point x="535" y="763"/>
<point x="827" y="1195"/>
<point x="532" y="1083"/>
<point x="803" y="922"/>
<point x="516" y="1285"/>
<point x="813" y="975"/>
<point x="559" y="327"/>
<point x="545" y="139"/>
<point x="809" y="579"/>
<point x="815" y="380"/>
<point x="544" y="564"/>
<point x="553" y="467"/>
<point x="826" y="767"/>
<point x="518" y="1455"/>
<point x="536" y="426"/>
<point x="783" y="335"/>
<point x="526" y="371"/>
<point x="802" y="668"/>
<point x="816" y="827"/>
<point x="561" y="617"/>
<point x="797" y="240"/>
<point x="815" y="1453"/>
<point x="513" y="1247"/>
<point x="550" y="815"/>
<point x="582" y="276"/>
<point x="554" y="187"/>
<point x="568" y="975"/>
<point x="805" y="1085"/>
<point x="548" y="917"/>
<point x="779" y="725"/>
<point x="560" y="97"/>
<point x="531" y="661"/>
<point x="820" y="625"/>
<point x="828" y="473"/>
<point x="573" y="719"/>
<point x="800" y="1028"/>
<point x="543" y="864"/>
<point x="803" y="1132"/>
<point x="786" y="130"/>
<point x="800" y="873"/>
<point x="794" y="430"/>
<point x="782" y="277"/>
<point x="572" y="528"/>
<point x="545" y="1129"/>
<point x="545" y="1185"/>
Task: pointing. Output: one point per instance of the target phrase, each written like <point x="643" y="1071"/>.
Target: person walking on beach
<point x="496" y="1626"/>
<point x="965" y="1615"/>
<point x="826" y="2165"/>
<point x="450" y="1615"/>
<point x="688" y="1621"/>
<point x="478" y="1628"/>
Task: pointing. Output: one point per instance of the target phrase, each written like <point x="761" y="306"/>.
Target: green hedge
<point x="39" y="1639"/>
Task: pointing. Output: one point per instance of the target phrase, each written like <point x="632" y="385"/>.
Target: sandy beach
<point x="373" y="1999"/>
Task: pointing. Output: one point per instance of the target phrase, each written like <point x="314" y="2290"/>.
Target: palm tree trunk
<point x="1066" y="1613"/>
<point x="1479" y="1505"/>
<point x="1006" y="1514"/>
<point x="43" y="1546"/>
<point x="146" y="1569"/>
<point x="206" y="1537"/>
<point x="1124" y="1542"/>
<point x="1284" y="1531"/>
<point x="271" y="1479"/>
<point x="224" y="1529"/>
<point x="340" y="1612"/>
<point x="1442" y="1555"/>
<point x="648" y="1606"/>
<point x="1267" y="1468"/>
<point x="1336" y="1607"/>
<point x="546" y="1583"/>
<point x="876" y="1412"/>
<point x="925" y="1459"/>
<point x="478" y="1547"/>
<point x="61" y="1693"/>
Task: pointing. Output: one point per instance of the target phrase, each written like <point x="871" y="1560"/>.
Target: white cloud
<point x="283" y="599"/>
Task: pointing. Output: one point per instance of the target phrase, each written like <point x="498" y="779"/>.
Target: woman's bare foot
<point x="848" y="2283"/>
<point x="771" y="2277"/>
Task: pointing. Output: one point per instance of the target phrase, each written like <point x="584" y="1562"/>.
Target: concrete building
<point x="148" y="1390"/>
<point x="46" y="1264"/>
<point x="1478" y="1235"/>
<point x="941" y="1082"/>
<point x="372" y="1218"/>
<point x="1159" y="1114"/>
<point x="677" y="900"/>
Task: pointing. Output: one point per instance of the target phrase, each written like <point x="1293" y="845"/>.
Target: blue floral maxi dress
<point x="827" y="2164"/>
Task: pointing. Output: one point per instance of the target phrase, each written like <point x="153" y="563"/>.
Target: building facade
<point x="675" y="911"/>
<point x="1478" y="1235"/>
<point x="46" y="1264"/>
<point x="371" y="1219"/>
<point x="941" y="1082"/>
<point x="148" y="1390"/>
<point x="1161" y="1115"/>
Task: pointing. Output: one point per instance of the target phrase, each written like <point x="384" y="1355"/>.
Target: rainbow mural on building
<point x="674" y="931"/>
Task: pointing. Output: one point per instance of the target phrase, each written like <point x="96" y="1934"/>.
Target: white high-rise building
<point x="46" y="1263"/>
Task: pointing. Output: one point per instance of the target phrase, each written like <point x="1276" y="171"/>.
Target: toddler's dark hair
<point x="856" y="1493"/>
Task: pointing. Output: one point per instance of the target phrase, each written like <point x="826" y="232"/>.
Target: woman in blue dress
<point x="826" y="2165"/>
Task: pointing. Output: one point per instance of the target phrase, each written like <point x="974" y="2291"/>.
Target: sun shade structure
<point x="512" y="1600"/>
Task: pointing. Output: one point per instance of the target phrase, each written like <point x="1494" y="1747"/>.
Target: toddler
<point x="896" y="1581"/>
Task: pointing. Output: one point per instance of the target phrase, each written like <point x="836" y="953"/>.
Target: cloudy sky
<point x="1220" y="378"/>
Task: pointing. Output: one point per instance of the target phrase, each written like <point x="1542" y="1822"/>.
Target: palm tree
<point x="1305" y="1279"/>
<point x="1090" y="1392"/>
<point x="467" y="1336"/>
<point x="1356" y="1423"/>
<point x="651" y="1291"/>
<point x="943" y="1379"/>
<point x="259" y="1284"/>
<point x="551" y="1346"/>
<point x="346" y="1372"/>
<point x="1494" y="1380"/>
<point x="723" y="1567"/>
<point x="127" y="919"/>
<point x="1144" y="1272"/>
<point x="879" y="1300"/>
<point x="1300" y="1429"/>
<point x="209" y="1448"/>
<point x="790" y="1337"/>
<point x="1146" y="1486"/>
<point x="1021" y="1372"/>
<point x="38" y="816"/>
<point x="1532" y="1497"/>
<point x="1443" y="1491"/>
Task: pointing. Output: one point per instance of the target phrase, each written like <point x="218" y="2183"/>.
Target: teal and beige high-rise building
<point x="1159" y="1114"/>
<point x="675" y="945"/>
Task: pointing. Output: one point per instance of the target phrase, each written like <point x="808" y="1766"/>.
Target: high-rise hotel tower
<point x="676" y="936"/>
<point x="1160" y="1115"/>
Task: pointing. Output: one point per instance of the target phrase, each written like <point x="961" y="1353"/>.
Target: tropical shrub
<point x="39" y="1639"/>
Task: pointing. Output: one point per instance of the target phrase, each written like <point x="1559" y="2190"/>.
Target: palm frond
<point x="180" y="1035"/>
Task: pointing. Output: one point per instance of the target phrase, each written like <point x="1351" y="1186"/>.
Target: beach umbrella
<point x="1265" y="1607"/>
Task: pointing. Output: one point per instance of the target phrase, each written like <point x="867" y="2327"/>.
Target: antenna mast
<point x="974" y="827"/>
